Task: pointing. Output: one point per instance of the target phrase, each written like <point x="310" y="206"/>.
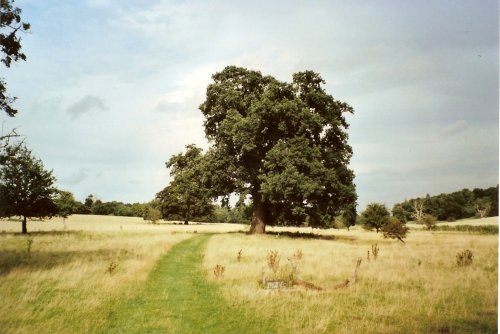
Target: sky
<point x="111" y="88"/>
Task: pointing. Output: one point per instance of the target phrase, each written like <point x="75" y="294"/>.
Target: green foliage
<point x="152" y="214"/>
<point x="10" y="46"/>
<point x="282" y="143"/>
<point x="395" y="229"/>
<point x="187" y="197"/>
<point x="375" y="216"/>
<point x="402" y="213"/>
<point x="26" y="188"/>
<point x="480" y="229"/>
<point x="66" y="204"/>
<point x="457" y="205"/>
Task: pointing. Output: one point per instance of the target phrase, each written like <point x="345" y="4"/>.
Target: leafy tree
<point x="375" y="216"/>
<point x="66" y="204"/>
<point x="152" y="214"/>
<point x="401" y="213"/>
<point x="284" y="144"/>
<point x="88" y="203"/>
<point x="26" y="188"/>
<point x="186" y="197"/>
<point x="10" y="46"/>
<point x="394" y="229"/>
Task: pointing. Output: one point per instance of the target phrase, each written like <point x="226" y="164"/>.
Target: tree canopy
<point x="375" y="216"/>
<point x="26" y="188"/>
<point x="283" y="144"/>
<point x="456" y="205"/>
<point x="186" y="197"/>
<point x="10" y="47"/>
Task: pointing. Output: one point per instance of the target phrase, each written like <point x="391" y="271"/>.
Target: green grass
<point x="177" y="298"/>
<point x="480" y="229"/>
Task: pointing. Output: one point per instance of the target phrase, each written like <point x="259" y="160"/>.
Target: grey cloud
<point x="77" y="177"/>
<point x="85" y="105"/>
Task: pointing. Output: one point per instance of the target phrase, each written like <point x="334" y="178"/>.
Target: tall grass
<point x="412" y="288"/>
<point x="65" y="281"/>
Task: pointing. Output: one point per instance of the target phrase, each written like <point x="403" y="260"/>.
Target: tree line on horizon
<point x="453" y="206"/>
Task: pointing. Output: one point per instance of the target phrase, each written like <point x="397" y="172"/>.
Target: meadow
<point x="109" y="274"/>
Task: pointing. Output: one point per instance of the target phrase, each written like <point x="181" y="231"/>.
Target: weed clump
<point x="273" y="260"/>
<point x="219" y="271"/>
<point x="29" y="245"/>
<point x="112" y="267"/>
<point x="375" y="251"/>
<point x="298" y="255"/>
<point x="464" y="258"/>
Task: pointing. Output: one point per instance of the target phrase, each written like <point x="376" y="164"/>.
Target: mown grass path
<point x="177" y="298"/>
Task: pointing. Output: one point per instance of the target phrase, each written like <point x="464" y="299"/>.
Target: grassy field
<point x="115" y="274"/>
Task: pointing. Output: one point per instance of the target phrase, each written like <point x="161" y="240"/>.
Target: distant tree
<point x="375" y="216"/>
<point x="26" y="188"/>
<point x="394" y="229"/>
<point x="89" y="202"/>
<point x="152" y="214"/>
<point x="283" y="144"/>
<point x="10" y="46"/>
<point x="66" y="204"/>
<point x="401" y="213"/>
<point x="418" y="209"/>
<point x="483" y="206"/>
<point x="349" y="217"/>
<point x="186" y="196"/>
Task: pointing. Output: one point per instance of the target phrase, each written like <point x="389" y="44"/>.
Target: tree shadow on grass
<point x="301" y="235"/>
<point x="37" y="260"/>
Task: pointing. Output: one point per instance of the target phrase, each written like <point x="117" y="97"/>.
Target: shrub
<point x="429" y="221"/>
<point x="464" y="258"/>
<point x="395" y="229"/>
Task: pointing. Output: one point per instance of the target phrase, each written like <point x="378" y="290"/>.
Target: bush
<point x="429" y="221"/>
<point x="395" y="229"/>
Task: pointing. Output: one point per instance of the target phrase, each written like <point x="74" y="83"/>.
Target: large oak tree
<point x="283" y="144"/>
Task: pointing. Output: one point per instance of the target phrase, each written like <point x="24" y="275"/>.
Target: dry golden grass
<point x="68" y="278"/>
<point x="112" y="223"/>
<point x="412" y="288"/>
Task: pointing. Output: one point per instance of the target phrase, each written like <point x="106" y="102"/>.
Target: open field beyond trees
<point x="122" y="275"/>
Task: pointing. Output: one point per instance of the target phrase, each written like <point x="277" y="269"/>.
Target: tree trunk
<point x="25" y="230"/>
<point x="259" y="219"/>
